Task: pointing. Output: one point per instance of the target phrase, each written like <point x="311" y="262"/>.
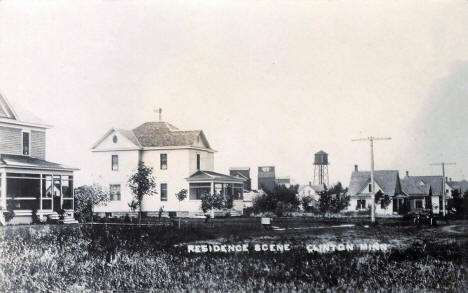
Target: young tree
<point x="212" y="202"/>
<point x="142" y="183"/>
<point x="181" y="195"/>
<point x="89" y="196"/>
<point x="333" y="200"/>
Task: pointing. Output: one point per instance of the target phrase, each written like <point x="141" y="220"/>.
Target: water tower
<point x="321" y="168"/>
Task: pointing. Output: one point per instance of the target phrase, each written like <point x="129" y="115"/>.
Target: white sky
<point x="269" y="82"/>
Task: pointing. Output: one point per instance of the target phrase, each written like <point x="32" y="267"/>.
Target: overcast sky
<point x="269" y="82"/>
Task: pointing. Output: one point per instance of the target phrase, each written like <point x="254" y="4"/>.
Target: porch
<point x="28" y="184"/>
<point x="208" y="182"/>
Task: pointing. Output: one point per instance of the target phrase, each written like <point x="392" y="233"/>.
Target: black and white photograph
<point x="233" y="146"/>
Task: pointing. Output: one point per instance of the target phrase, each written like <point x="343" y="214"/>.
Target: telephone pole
<point x="443" y="164"/>
<point x="371" y="139"/>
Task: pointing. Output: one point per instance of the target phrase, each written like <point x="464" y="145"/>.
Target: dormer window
<point x="26" y="143"/>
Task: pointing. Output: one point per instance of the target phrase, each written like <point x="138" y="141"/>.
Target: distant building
<point x="461" y="186"/>
<point x="243" y="173"/>
<point x="312" y="191"/>
<point x="266" y="177"/>
<point x="286" y="181"/>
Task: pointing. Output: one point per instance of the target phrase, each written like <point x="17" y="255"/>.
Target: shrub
<point x="248" y="211"/>
<point x="280" y="200"/>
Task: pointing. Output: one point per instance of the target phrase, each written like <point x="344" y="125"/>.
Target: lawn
<point x="155" y="258"/>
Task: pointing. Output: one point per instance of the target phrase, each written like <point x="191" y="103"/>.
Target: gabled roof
<point x="435" y="182"/>
<point x="212" y="176"/>
<point x="411" y="186"/>
<point x="316" y="188"/>
<point x="129" y="135"/>
<point x="18" y="161"/>
<point x="239" y="169"/>
<point x="161" y="134"/>
<point x="462" y="186"/>
<point x="388" y="180"/>
<point x="239" y="174"/>
<point x="15" y="113"/>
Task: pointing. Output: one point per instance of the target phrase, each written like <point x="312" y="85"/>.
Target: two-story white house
<point x="180" y="160"/>
<point x="27" y="181"/>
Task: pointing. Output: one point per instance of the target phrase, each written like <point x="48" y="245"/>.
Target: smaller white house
<point x="312" y="191"/>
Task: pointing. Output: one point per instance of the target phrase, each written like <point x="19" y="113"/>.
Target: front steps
<point x="67" y="219"/>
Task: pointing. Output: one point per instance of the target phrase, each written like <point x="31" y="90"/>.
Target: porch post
<point x="3" y="191"/>
<point x="40" y="193"/>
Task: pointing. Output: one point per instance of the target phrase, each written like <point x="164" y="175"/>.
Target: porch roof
<point x="210" y="176"/>
<point x="25" y="162"/>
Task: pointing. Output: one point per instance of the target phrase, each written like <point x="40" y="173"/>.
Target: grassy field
<point x="155" y="258"/>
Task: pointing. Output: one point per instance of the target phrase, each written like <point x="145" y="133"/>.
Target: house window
<point x="114" y="192"/>
<point x="163" y="191"/>
<point x="197" y="190"/>
<point x="419" y="204"/>
<point x="115" y="139"/>
<point x="198" y="161"/>
<point x="370" y="187"/>
<point x="163" y="159"/>
<point x="361" y="204"/>
<point x="115" y="162"/>
<point x="26" y="143"/>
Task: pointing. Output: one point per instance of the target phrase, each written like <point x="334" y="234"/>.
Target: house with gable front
<point x="28" y="183"/>
<point x="181" y="159"/>
<point x="312" y="191"/>
<point x="432" y="195"/>
<point x="387" y="183"/>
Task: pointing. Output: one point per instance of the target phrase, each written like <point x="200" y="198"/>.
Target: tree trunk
<point x="92" y="206"/>
<point x="139" y="214"/>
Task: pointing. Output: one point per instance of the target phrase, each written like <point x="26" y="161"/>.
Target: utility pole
<point x="443" y="164"/>
<point x="371" y="139"/>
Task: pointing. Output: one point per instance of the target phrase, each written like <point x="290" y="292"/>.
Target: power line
<point x="371" y="139"/>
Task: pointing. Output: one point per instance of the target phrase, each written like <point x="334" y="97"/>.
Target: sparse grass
<point x="72" y="259"/>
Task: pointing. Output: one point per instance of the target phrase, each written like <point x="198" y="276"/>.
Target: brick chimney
<point x="355" y="168"/>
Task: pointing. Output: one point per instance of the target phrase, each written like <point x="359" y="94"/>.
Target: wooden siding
<point x="10" y="141"/>
<point x="38" y="142"/>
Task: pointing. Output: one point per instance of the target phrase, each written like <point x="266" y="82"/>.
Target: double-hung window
<point x="26" y="143"/>
<point x="198" y="161"/>
<point x="163" y="159"/>
<point x="115" y="162"/>
<point x="361" y="204"/>
<point x="114" y="192"/>
<point x="163" y="191"/>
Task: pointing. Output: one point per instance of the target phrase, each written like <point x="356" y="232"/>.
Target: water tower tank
<point x="321" y="158"/>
